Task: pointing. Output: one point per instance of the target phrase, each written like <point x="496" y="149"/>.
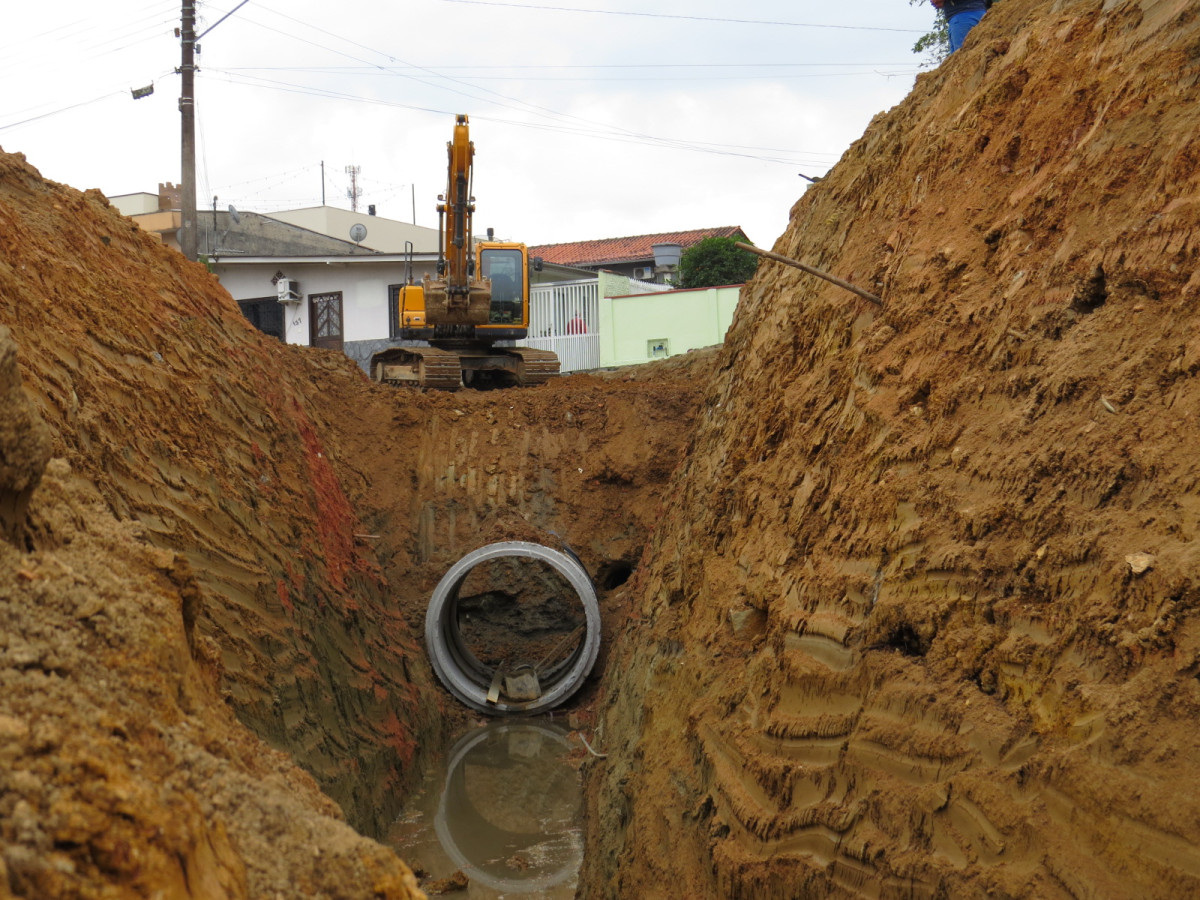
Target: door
<point x="325" y="313"/>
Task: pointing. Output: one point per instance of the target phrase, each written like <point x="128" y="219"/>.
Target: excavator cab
<point x="505" y="268"/>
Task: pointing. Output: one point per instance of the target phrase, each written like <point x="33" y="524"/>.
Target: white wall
<point x="364" y="288"/>
<point x="385" y="235"/>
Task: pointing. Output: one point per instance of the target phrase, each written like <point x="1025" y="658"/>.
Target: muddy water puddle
<point x="504" y="809"/>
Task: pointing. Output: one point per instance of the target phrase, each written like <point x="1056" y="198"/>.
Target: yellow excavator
<point x="478" y="298"/>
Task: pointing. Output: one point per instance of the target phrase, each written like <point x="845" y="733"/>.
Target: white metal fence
<point x="564" y="318"/>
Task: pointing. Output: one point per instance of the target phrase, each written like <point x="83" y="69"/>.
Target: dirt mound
<point x="230" y="524"/>
<point x="122" y="769"/>
<point x="218" y="441"/>
<point x="922" y="618"/>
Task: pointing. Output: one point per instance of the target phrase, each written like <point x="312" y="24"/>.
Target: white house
<point x="312" y="277"/>
<point x="591" y="321"/>
<point x="338" y="302"/>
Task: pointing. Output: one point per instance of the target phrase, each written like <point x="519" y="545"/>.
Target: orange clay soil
<point x="912" y="606"/>
<point x="921" y="620"/>
<point x="231" y="529"/>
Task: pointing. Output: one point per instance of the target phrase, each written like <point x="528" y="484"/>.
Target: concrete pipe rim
<point x="458" y="669"/>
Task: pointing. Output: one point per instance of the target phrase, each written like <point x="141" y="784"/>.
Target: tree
<point x="715" y="261"/>
<point x="936" y="41"/>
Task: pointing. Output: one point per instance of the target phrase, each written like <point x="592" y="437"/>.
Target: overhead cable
<point x="723" y="21"/>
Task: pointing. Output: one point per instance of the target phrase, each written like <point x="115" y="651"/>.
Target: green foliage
<point x="935" y="42"/>
<point x="715" y="261"/>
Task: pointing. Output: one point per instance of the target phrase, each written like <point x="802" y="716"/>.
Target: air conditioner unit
<point x="644" y="273"/>
<point x="288" y="290"/>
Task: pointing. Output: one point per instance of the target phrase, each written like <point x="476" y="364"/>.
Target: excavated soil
<point x="922" y="621"/>
<point x="217" y="555"/>
<point x="897" y="602"/>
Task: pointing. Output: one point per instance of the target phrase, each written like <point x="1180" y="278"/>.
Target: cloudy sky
<point x="591" y="118"/>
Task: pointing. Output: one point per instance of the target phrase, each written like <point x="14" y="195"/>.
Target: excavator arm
<point x="457" y="209"/>
<point x="458" y="296"/>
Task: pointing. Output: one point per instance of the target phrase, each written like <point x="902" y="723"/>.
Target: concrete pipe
<point x="473" y="682"/>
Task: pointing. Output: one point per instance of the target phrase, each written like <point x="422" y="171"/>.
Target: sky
<point x="591" y="118"/>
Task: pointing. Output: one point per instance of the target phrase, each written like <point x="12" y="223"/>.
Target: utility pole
<point x="187" y="109"/>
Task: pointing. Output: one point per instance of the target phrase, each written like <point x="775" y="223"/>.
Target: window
<point x="505" y="268"/>
<point x="394" y="310"/>
<point x="265" y="314"/>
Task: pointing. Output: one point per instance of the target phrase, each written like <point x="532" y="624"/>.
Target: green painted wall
<point x="640" y="327"/>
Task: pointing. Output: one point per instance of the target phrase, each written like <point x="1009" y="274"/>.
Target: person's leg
<point x="960" y="24"/>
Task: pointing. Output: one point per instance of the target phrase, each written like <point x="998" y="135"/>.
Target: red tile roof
<point x="611" y="251"/>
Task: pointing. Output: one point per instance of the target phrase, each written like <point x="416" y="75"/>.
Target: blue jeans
<point x="960" y="24"/>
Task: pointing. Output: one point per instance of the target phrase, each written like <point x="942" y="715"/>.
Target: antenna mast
<point x="355" y="191"/>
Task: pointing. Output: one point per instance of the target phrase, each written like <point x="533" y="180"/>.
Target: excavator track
<point x="441" y="369"/>
<point x="536" y="367"/>
<point x="426" y="367"/>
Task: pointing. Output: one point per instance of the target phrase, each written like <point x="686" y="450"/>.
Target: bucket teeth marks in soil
<point x="805" y="728"/>
<point x="1086" y="729"/>
<point x="1083" y="806"/>
<point x="808" y="724"/>
<point x="820" y="649"/>
<point x="888" y="749"/>
<point x="789" y="781"/>
<point x="833" y="626"/>
<point x="974" y="832"/>
<point x="830" y="757"/>
<point x="1003" y="748"/>
<point x="768" y="820"/>
<point x="824" y="635"/>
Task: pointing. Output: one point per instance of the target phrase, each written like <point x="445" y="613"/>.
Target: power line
<point x="275" y="177"/>
<point x="80" y="40"/>
<point x="519" y="72"/>
<point x="81" y="43"/>
<point x="617" y="135"/>
<point x="592" y="129"/>
<point x="117" y="89"/>
<point x="222" y="19"/>
<point x="600" y="130"/>
<point x="64" y="109"/>
<point x="613" y="12"/>
<point x="87" y="25"/>
<point x="466" y="90"/>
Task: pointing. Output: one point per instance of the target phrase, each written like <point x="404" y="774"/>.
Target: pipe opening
<point x="513" y="628"/>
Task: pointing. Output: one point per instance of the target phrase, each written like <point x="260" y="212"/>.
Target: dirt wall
<point x="921" y="621"/>
<point x="582" y="462"/>
<point x="122" y="771"/>
<point x="218" y="442"/>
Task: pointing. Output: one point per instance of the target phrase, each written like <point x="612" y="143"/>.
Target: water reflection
<point x="505" y="812"/>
